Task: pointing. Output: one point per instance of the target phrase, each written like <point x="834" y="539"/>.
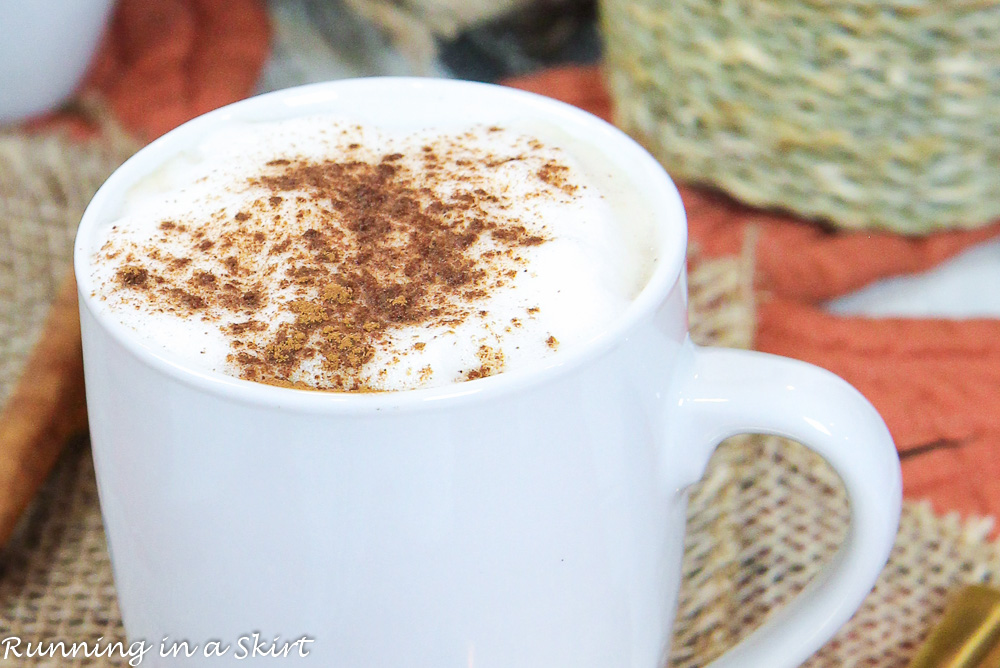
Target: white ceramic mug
<point x="45" y="48"/>
<point x="533" y="519"/>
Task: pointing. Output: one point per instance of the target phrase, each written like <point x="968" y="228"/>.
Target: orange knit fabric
<point x="163" y="63"/>
<point x="936" y="382"/>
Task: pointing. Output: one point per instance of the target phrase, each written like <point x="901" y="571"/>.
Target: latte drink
<point x="328" y="253"/>
<point x="487" y="289"/>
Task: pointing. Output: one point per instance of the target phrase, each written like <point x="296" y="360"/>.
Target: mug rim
<point x="668" y="216"/>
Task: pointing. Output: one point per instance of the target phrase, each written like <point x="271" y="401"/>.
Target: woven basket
<point x="863" y="113"/>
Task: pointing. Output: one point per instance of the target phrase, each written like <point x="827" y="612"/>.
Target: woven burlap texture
<point x="766" y="517"/>
<point x="863" y="113"/>
<point x="46" y="182"/>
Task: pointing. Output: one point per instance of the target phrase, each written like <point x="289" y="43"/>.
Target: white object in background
<point x="45" y="48"/>
<point x="967" y="286"/>
<point x="533" y="519"/>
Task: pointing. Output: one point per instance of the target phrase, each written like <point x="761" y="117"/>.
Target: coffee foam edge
<point x="590" y="292"/>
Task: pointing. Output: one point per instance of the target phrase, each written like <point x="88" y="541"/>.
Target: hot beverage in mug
<point x="488" y="287"/>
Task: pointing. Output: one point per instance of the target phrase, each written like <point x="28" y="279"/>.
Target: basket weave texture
<point x="865" y="114"/>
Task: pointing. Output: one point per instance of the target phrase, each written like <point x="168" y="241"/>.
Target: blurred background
<point x="481" y="40"/>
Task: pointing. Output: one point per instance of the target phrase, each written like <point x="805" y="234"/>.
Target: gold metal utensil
<point x="968" y="636"/>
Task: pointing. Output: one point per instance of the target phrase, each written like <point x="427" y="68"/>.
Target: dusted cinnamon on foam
<point x="325" y="260"/>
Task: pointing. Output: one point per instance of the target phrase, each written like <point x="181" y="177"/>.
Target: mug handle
<point x="723" y="392"/>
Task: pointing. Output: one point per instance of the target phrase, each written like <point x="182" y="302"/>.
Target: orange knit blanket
<point x="163" y="63"/>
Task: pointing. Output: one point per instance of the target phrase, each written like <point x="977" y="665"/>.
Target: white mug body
<point x="542" y="526"/>
<point x="529" y="519"/>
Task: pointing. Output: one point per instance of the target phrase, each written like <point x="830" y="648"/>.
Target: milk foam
<point x="598" y="253"/>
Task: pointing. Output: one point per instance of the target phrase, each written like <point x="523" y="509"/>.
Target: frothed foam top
<point x="323" y="254"/>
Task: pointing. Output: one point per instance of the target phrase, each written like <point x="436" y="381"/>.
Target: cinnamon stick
<point x="46" y="408"/>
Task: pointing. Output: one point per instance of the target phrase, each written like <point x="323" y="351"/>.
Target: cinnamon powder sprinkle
<point x="341" y="251"/>
<point x="132" y="276"/>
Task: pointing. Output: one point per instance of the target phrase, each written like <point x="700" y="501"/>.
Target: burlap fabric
<point x="864" y="113"/>
<point x="45" y="184"/>
<point x="766" y="517"/>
